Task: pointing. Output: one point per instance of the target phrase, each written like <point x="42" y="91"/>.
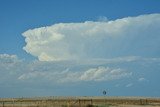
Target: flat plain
<point x="93" y="101"/>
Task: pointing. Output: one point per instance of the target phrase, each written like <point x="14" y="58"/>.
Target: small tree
<point x="104" y="92"/>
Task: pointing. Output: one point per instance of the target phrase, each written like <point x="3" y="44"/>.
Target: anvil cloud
<point x="130" y="36"/>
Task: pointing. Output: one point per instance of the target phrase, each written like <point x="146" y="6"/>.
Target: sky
<point x="79" y="48"/>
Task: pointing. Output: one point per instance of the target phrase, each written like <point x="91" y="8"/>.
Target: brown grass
<point x="81" y="102"/>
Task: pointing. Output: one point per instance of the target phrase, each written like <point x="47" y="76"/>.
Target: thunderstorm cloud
<point x="130" y="36"/>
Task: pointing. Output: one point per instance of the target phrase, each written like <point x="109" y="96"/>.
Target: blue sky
<point x="18" y="16"/>
<point x="79" y="48"/>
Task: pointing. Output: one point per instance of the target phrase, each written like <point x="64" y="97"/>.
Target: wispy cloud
<point x="104" y="74"/>
<point x="129" y="85"/>
<point x="142" y="79"/>
<point x="66" y="71"/>
<point x="20" y="74"/>
<point x="57" y="72"/>
<point x="130" y="36"/>
<point x="92" y="74"/>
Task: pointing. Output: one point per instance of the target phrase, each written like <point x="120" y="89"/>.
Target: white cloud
<point x="12" y="69"/>
<point x="102" y="39"/>
<point x="103" y="19"/>
<point x="5" y="58"/>
<point x="92" y="74"/>
<point x="8" y="62"/>
<point x="141" y="79"/>
<point x="129" y="85"/>
<point x="104" y="74"/>
<point x="54" y="75"/>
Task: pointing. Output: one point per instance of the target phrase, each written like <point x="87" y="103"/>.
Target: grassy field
<point x="80" y="102"/>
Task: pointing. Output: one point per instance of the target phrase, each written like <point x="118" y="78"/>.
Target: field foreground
<point x="80" y="102"/>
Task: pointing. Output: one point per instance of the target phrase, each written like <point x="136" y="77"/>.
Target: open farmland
<point x="80" y="102"/>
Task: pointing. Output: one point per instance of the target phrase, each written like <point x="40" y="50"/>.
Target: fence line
<point x="70" y="102"/>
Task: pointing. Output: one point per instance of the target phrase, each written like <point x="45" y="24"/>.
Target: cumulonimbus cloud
<point x="136" y="36"/>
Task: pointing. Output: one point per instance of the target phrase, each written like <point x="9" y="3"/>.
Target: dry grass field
<point x="80" y="102"/>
